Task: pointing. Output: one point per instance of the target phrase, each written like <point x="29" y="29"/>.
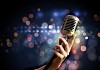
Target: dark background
<point x="9" y="13"/>
<point x="11" y="9"/>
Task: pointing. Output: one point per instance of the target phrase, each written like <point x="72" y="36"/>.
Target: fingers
<point x="65" y="44"/>
<point x="61" y="50"/>
<point x="58" y="54"/>
<point x="64" y="47"/>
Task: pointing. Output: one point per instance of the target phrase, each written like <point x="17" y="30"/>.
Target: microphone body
<point x="67" y="30"/>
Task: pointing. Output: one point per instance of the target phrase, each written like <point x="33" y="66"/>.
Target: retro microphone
<point x="67" y="30"/>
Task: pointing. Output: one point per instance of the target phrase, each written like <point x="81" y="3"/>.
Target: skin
<point x="61" y="52"/>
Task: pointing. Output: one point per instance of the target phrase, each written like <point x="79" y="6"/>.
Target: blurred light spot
<point x="64" y="12"/>
<point x="99" y="34"/>
<point x="41" y="54"/>
<point x="30" y="15"/>
<point x="78" y="27"/>
<point x="84" y="34"/>
<point x="38" y="9"/>
<point x="31" y="44"/>
<point x="7" y="40"/>
<point x="82" y="31"/>
<point x="50" y="41"/>
<point x="58" y="27"/>
<point x="55" y="14"/>
<point x="76" y="57"/>
<point x="53" y="24"/>
<point x="91" y="32"/>
<point x="74" y="51"/>
<point x="36" y="34"/>
<point x="83" y="48"/>
<point x="86" y="37"/>
<point x="50" y="26"/>
<point x="44" y="25"/>
<point x="15" y="34"/>
<point x="51" y="20"/>
<point x="41" y="31"/>
<point x="9" y="44"/>
<point x="28" y="30"/>
<point x="21" y="31"/>
<point x="83" y="28"/>
<point x="77" y="13"/>
<point x="33" y="27"/>
<point x="29" y="38"/>
<point x="44" y="38"/>
<point x="37" y="30"/>
<point x="45" y="31"/>
<point x="96" y="17"/>
<point x="40" y="14"/>
<point x="58" y="31"/>
<point x="27" y="22"/>
<point x="24" y="19"/>
<point x="75" y="62"/>
<point x="78" y="32"/>
<point x="72" y="66"/>
<point x="50" y="31"/>
<point x="77" y="40"/>
<point x="92" y="56"/>
<point x="54" y="31"/>
<point x="68" y="62"/>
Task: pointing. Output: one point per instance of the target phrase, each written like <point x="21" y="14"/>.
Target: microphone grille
<point x="69" y="25"/>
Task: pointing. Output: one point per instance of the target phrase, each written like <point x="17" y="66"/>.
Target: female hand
<point x="61" y="52"/>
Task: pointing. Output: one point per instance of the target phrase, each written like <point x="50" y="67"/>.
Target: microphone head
<point x="69" y="25"/>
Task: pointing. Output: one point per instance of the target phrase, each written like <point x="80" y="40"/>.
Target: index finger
<point x="64" y="44"/>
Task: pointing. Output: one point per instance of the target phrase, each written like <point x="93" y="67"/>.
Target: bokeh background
<point x="29" y="30"/>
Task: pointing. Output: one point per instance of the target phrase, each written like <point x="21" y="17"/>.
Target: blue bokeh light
<point x="55" y="14"/>
<point x="40" y="14"/>
<point x="77" y="13"/>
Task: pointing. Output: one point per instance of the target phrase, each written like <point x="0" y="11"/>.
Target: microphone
<point x="69" y="26"/>
<point x="67" y="30"/>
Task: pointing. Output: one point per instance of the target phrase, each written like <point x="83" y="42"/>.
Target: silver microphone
<point x="69" y="26"/>
<point x="67" y="30"/>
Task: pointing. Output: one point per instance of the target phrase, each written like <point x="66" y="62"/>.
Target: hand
<point x="61" y="52"/>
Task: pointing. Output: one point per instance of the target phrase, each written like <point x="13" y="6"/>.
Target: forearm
<point x="41" y="68"/>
